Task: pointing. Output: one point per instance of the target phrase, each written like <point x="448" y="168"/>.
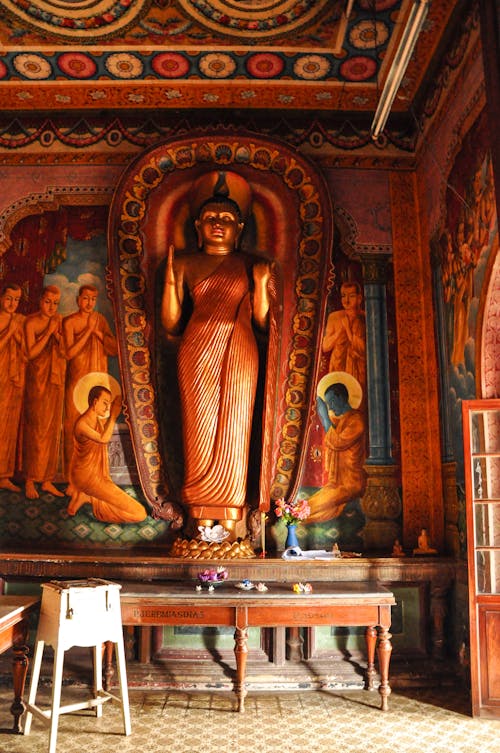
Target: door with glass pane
<point x="481" y="421"/>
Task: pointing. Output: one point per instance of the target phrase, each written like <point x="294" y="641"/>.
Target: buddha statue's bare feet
<point x="49" y="487"/>
<point x="31" y="491"/>
<point x="6" y="483"/>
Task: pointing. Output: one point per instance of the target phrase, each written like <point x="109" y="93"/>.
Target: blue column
<point x="377" y="362"/>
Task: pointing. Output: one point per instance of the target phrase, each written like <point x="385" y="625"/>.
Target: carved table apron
<point x="14" y="627"/>
<point x="342" y="604"/>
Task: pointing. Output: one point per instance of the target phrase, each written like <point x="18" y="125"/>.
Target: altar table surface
<point x="14" y="628"/>
<point x="343" y="604"/>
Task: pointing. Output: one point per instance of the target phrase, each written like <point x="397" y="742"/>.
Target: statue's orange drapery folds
<point x="218" y="368"/>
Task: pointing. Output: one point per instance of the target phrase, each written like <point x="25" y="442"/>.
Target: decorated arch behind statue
<point x="290" y="224"/>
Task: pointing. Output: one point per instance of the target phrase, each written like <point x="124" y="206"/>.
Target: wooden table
<point x="343" y="604"/>
<point x="14" y="628"/>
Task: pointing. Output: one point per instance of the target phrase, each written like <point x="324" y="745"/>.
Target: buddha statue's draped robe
<point x="218" y="365"/>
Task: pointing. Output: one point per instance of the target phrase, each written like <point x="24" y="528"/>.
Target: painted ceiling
<point x="316" y="55"/>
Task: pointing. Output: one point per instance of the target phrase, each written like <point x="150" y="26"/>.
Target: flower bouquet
<point x="292" y="512"/>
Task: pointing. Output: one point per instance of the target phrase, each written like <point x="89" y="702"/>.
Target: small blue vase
<point x="291" y="535"/>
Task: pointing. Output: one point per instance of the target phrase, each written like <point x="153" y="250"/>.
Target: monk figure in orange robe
<point x="344" y="454"/>
<point x="345" y="334"/>
<point x="89" y="341"/>
<point x="89" y="470"/>
<point x="13" y="358"/>
<point x="44" y="395"/>
<point x="218" y="360"/>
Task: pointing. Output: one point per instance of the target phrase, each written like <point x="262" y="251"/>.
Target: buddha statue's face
<point x="218" y="229"/>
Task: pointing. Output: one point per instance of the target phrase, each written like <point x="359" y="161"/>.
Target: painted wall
<point x="375" y="211"/>
<point x="457" y="183"/>
<point x="49" y="192"/>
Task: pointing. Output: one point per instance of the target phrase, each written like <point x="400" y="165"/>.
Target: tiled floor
<point x="350" y="721"/>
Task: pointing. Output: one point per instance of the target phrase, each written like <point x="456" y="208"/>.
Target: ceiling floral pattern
<point x="179" y="21"/>
<point x="262" y="18"/>
<point x="261" y="54"/>
<point x="77" y="19"/>
<point x="356" y="56"/>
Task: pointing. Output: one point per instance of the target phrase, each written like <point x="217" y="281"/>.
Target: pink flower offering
<point x="292" y="512"/>
<point x="212" y="575"/>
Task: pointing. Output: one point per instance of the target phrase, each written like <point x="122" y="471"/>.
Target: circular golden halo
<point x="341" y="377"/>
<point x="236" y="185"/>
<point x="93" y="379"/>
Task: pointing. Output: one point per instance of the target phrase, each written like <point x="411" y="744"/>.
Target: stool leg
<point x="98" y="677"/>
<point x="57" y="676"/>
<point x="122" y="680"/>
<point x="35" y="674"/>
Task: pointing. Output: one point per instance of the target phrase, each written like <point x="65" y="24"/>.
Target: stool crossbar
<point x="78" y="613"/>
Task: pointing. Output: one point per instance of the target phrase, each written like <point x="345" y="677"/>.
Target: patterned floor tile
<point x="310" y="722"/>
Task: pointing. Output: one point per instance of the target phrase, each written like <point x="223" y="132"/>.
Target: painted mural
<point x="284" y="242"/>
<point x="467" y="245"/>
<point x="70" y="389"/>
<point x="334" y="480"/>
<point x="58" y="349"/>
<point x="466" y="249"/>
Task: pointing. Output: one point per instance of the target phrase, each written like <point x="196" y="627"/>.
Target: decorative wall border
<point x="129" y="285"/>
<point x="333" y="142"/>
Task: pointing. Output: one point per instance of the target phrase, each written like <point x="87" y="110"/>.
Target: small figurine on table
<point x="397" y="549"/>
<point x="423" y="544"/>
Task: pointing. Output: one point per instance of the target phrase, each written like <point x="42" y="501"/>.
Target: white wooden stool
<point x="78" y="613"/>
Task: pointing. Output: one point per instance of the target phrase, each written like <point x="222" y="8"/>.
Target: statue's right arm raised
<point x="173" y="294"/>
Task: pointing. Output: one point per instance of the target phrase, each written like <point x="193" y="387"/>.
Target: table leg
<point x="241" y="651"/>
<point x="109" y="672"/>
<point x="371" y="641"/>
<point x="20" y="664"/>
<point x="384" y="657"/>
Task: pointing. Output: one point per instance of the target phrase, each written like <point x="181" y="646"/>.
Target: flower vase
<point x="291" y="535"/>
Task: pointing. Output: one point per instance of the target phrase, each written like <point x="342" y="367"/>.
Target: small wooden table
<point x="365" y="604"/>
<point x="14" y="628"/>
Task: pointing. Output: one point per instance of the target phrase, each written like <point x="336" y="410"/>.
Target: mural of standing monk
<point x="13" y="358"/>
<point x="89" y="470"/>
<point x="44" y="394"/>
<point x="218" y="360"/>
<point x="345" y="334"/>
<point x="344" y="446"/>
<point x="89" y="341"/>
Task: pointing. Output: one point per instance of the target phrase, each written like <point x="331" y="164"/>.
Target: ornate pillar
<point x="381" y="502"/>
<point x="421" y="473"/>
